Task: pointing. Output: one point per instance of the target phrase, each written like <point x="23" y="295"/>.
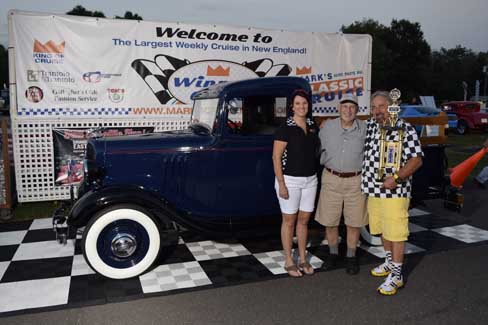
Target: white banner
<point x="88" y="67"/>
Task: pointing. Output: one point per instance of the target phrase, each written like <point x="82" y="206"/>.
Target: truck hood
<point x="169" y="141"/>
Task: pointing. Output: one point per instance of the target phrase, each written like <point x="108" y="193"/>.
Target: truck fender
<point x="95" y="200"/>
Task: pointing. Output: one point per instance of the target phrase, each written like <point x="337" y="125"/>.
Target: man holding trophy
<point x="392" y="154"/>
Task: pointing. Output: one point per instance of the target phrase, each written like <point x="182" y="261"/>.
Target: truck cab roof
<point x="284" y="85"/>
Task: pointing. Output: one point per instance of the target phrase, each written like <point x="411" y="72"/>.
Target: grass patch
<point x="34" y="210"/>
<point x="461" y="147"/>
<point x="467" y="140"/>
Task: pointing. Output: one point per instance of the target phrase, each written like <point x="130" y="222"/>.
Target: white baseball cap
<point x="349" y="98"/>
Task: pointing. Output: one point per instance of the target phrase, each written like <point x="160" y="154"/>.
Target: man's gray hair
<point x="382" y="93"/>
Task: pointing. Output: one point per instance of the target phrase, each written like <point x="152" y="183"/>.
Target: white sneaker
<point x="391" y="285"/>
<point x="381" y="270"/>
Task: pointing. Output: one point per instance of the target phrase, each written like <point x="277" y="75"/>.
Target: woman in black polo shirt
<point x="294" y="161"/>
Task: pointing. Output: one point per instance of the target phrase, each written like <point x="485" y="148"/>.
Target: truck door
<point x="245" y="165"/>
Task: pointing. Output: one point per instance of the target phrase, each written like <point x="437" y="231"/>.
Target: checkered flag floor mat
<point x="36" y="273"/>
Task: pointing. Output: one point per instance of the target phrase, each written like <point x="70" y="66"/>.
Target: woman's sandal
<point x="306" y="268"/>
<point x="293" y="271"/>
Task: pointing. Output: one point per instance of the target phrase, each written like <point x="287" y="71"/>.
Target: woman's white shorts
<point x="301" y="194"/>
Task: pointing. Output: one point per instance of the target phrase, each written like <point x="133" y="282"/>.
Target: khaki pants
<point x="339" y="195"/>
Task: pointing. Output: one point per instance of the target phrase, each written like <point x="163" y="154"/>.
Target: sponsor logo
<point x="196" y="76"/>
<point x="49" y="52"/>
<point x="334" y="90"/>
<point x="316" y="77"/>
<point x="49" y="76"/>
<point x="49" y="47"/>
<point x="116" y="95"/>
<point x="72" y="95"/>
<point x="218" y="71"/>
<point x="173" y="80"/>
<point x="32" y="76"/>
<point x="304" y="70"/>
<point x="97" y="76"/>
<point x="34" y="94"/>
<point x="338" y="85"/>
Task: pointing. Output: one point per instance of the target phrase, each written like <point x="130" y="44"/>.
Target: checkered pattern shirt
<point x="411" y="148"/>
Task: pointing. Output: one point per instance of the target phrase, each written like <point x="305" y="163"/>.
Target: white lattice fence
<point x="34" y="155"/>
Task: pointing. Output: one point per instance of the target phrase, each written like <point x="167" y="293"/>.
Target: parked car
<point x="469" y="115"/>
<point x="216" y="177"/>
<point x="423" y="111"/>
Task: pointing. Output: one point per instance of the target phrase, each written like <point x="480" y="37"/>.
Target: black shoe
<point x="352" y="265"/>
<point x="330" y="263"/>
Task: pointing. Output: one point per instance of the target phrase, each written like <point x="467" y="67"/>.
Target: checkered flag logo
<point x="266" y="68"/>
<point x="157" y="73"/>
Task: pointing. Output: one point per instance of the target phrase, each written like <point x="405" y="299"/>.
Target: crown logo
<point x="49" y="47"/>
<point x="303" y="70"/>
<point x="219" y="71"/>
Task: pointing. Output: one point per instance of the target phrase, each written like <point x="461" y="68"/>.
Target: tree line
<point x="82" y="11"/>
<point x="402" y="58"/>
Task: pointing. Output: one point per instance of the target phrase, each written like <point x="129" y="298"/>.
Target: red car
<point x="469" y="115"/>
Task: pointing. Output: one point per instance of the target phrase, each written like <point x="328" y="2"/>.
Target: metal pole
<point x="485" y="70"/>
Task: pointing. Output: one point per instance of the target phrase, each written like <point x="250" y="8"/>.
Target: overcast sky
<point x="445" y="23"/>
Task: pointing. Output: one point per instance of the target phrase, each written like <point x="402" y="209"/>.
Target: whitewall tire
<point x="121" y="242"/>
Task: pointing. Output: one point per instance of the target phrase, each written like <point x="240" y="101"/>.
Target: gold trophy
<point x="390" y="150"/>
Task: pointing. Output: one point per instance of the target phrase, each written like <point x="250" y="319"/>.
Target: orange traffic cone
<point x="461" y="171"/>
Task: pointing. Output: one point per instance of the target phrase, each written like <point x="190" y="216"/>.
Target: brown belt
<point x="343" y="175"/>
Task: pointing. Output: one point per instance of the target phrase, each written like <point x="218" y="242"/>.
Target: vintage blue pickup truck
<point x="215" y="177"/>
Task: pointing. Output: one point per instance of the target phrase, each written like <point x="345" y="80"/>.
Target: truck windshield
<point x="204" y="112"/>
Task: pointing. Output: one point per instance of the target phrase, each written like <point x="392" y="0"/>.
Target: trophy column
<point x="390" y="145"/>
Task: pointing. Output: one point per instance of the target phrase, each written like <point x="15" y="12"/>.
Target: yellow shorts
<point x="389" y="217"/>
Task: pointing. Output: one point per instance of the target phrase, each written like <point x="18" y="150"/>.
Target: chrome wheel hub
<point x="123" y="245"/>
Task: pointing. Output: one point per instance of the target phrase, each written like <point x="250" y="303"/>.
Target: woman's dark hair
<point x="302" y="93"/>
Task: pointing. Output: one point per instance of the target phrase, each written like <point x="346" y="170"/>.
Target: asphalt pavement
<point x="449" y="287"/>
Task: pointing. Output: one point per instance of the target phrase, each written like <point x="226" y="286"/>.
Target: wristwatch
<point x="397" y="178"/>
